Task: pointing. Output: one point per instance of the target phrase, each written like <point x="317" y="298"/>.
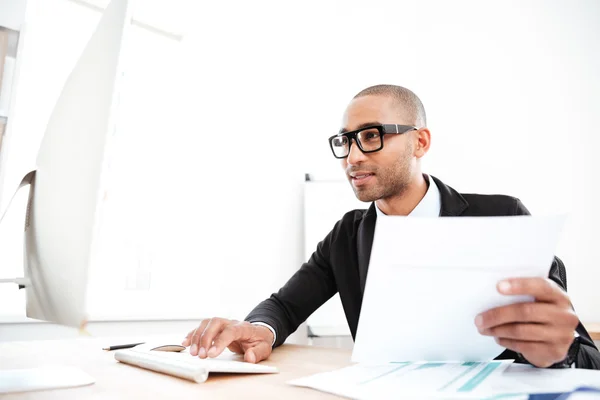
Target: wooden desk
<point x="119" y="381"/>
<point x="593" y="330"/>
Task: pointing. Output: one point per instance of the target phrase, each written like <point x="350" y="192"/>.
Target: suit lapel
<point x="364" y="243"/>
<point x="453" y="204"/>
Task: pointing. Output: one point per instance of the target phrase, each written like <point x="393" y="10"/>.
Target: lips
<point x="361" y="178"/>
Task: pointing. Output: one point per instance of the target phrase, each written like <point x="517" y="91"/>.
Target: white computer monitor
<point x="68" y="186"/>
<point x="66" y="196"/>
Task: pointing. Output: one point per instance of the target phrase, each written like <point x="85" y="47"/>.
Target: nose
<point x="355" y="156"/>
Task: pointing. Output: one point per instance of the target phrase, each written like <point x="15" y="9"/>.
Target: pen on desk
<point x="121" y="346"/>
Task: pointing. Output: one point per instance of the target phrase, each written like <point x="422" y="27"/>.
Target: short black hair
<point x="406" y="98"/>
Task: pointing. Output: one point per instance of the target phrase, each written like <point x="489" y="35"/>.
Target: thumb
<point x="258" y="353"/>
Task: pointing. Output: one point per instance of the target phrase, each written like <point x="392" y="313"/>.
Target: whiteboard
<point x="325" y="202"/>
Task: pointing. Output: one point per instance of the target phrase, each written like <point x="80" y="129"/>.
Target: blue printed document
<point x="410" y="379"/>
<point x="439" y="380"/>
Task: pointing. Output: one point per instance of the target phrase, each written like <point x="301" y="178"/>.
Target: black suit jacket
<point x="341" y="261"/>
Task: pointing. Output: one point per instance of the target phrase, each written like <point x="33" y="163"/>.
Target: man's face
<point x="387" y="172"/>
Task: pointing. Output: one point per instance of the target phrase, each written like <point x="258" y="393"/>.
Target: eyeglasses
<point x="369" y="139"/>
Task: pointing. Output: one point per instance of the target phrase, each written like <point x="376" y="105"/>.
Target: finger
<point x="526" y="312"/>
<point x="213" y="329"/>
<point x="537" y="353"/>
<point x="195" y="337"/>
<point x="230" y="334"/>
<point x="258" y="353"/>
<point x="542" y="289"/>
<point x="188" y="338"/>
<point x="529" y="333"/>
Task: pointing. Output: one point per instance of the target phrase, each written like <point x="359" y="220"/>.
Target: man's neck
<point x="404" y="203"/>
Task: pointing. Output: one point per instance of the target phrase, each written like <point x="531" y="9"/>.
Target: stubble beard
<point x="391" y="181"/>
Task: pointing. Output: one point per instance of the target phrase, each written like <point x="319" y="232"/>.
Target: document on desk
<point x="428" y="279"/>
<point x="400" y="380"/>
<point x="469" y="380"/>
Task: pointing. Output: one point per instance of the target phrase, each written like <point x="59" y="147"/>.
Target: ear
<point x="423" y="142"/>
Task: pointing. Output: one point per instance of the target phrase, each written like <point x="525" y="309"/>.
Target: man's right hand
<point x="213" y="335"/>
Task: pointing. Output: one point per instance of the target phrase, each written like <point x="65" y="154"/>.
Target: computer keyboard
<point x="186" y="366"/>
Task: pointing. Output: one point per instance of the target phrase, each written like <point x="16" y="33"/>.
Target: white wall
<point x="222" y="126"/>
<point x="510" y="90"/>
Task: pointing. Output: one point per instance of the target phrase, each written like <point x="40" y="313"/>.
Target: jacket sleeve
<point x="588" y="356"/>
<point x="309" y="288"/>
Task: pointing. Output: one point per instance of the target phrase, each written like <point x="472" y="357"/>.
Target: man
<point x="382" y="140"/>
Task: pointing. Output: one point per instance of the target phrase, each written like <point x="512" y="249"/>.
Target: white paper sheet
<point x="406" y="380"/>
<point x="429" y="278"/>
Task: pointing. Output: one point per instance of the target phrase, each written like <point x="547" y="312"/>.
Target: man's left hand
<point x="542" y="331"/>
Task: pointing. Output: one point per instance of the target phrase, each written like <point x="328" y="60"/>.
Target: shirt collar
<point x="429" y="206"/>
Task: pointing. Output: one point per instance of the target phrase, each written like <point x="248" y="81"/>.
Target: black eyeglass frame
<point x="383" y="129"/>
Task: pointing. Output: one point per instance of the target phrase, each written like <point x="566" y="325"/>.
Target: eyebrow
<point x="363" y="125"/>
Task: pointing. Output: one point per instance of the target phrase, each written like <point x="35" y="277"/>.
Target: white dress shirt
<point x="429" y="206"/>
